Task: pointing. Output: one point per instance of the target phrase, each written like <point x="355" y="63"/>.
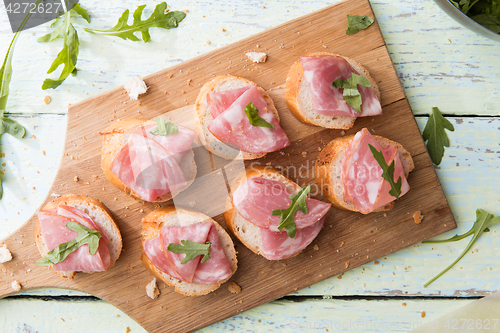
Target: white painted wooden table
<point x="439" y="63"/>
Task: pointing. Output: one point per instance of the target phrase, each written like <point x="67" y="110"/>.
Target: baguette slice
<point x="247" y="232"/>
<point x="203" y="116"/>
<point x="115" y="137"/>
<point x="99" y="214"/>
<point x="328" y="169"/>
<point x="300" y="100"/>
<point x="170" y="216"/>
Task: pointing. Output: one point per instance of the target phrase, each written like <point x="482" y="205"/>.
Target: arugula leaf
<point x="158" y="18"/>
<point x="287" y="215"/>
<point x="84" y="236"/>
<point x="356" y="23"/>
<point x="77" y="9"/>
<point x="6" y="75"/>
<point x="387" y="172"/>
<point x="254" y="118"/>
<point x="435" y="135"/>
<point x="11" y="127"/>
<point x="484" y="220"/>
<point x="191" y="249"/>
<point x="59" y="24"/>
<point x="351" y="93"/>
<point x="1" y="188"/>
<point x="164" y="127"/>
<point x="490" y="21"/>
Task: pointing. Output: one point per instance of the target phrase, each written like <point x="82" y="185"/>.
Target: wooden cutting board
<point x="347" y="240"/>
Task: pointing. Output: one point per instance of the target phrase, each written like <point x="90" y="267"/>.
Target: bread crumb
<point x="189" y="81"/>
<point x="76" y="178"/>
<point x="404" y="304"/>
<point x="316" y="247"/>
<point x="5" y="254"/>
<point x="222" y="29"/>
<point x="169" y="76"/>
<point x="376" y="262"/>
<point x="234" y="288"/>
<point x="192" y="203"/>
<point x="207" y="42"/>
<point x="186" y="11"/>
<point x="422" y="314"/>
<point x="304" y="153"/>
<point x="152" y="289"/>
<point x="127" y="330"/>
<point x="418" y="217"/>
<point x="47" y="99"/>
<point x="135" y="88"/>
<point x="16" y="285"/>
<point x="346" y="264"/>
<point x="43" y="152"/>
<point x="257" y="57"/>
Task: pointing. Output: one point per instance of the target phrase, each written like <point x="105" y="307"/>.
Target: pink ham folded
<point x="218" y="102"/>
<point x="255" y="201"/>
<point x="55" y="232"/>
<point x="362" y="175"/>
<point x="149" y="164"/>
<point x="320" y="72"/>
<point x="233" y="127"/>
<point x="215" y="269"/>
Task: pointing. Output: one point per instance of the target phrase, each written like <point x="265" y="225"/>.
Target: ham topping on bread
<point x="213" y="270"/>
<point x="231" y="124"/>
<point x="54" y="231"/>
<point x="362" y="180"/>
<point x="320" y="72"/>
<point x="149" y="164"/>
<point x="255" y="201"/>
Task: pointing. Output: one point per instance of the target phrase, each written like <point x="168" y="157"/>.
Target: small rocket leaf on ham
<point x="191" y="249"/>
<point x="84" y="236"/>
<point x="388" y="172"/>
<point x="351" y="93"/>
<point x="287" y="214"/>
<point x="254" y="118"/>
<point x="164" y="127"/>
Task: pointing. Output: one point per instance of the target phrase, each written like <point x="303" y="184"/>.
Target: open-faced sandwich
<point x="353" y="172"/>
<point x="75" y="233"/>
<point x="187" y="250"/>
<point x="235" y="118"/>
<point x="272" y="215"/>
<point x="150" y="160"/>
<point x="331" y="91"/>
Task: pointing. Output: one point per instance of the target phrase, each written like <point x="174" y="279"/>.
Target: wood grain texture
<point x="380" y="235"/>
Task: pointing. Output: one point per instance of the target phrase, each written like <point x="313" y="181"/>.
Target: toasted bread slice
<point x="300" y="100"/>
<point x="328" y="170"/>
<point x="247" y="232"/>
<point x="203" y="116"/>
<point x="115" y="137"/>
<point x="99" y="214"/>
<point x="170" y="216"/>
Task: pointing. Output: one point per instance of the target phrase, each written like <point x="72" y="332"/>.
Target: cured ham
<point x="256" y="199"/>
<point x="320" y="72"/>
<point x="218" y="102"/>
<point x="215" y="269"/>
<point x="362" y="175"/>
<point x="149" y="164"/>
<point x="55" y="232"/>
<point x="233" y="127"/>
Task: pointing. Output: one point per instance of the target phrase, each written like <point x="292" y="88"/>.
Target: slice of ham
<point x="78" y="216"/>
<point x="218" y="102"/>
<point x="362" y="175"/>
<point x="256" y="199"/>
<point x="153" y="249"/>
<point x="277" y="245"/>
<point x="233" y="127"/>
<point x="320" y="72"/>
<point x="194" y="232"/>
<point x="55" y="232"/>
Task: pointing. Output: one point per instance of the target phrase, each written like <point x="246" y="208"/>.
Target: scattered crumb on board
<point x="418" y="217"/>
<point x="234" y="288"/>
<point x="15" y="285"/>
<point x="5" y="254"/>
<point x="257" y="57"/>
<point x="152" y="289"/>
<point x="135" y="88"/>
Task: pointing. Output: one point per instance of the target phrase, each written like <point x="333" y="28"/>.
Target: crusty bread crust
<point x="328" y="169"/>
<point x="169" y="215"/>
<point x="245" y="231"/>
<point x="203" y="116"/>
<point x="99" y="214"/>
<point x="297" y="91"/>
<point x="115" y="136"/>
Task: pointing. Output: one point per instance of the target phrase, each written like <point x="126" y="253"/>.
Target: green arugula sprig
<point x="356" y="23"/>
<point x="435" y="135"/>
<point x="159" y="18"/>
<point x="68" y="56"/>
<point x="191" y="250"/>
<point x="287" y="215"/>
<point x="164" y="127"/>
<point x="387" y="172"/>
<point x="484" y="12"/>
<point x="84" y="236"/>
<point x="351" y="93"/>
<point x="484" y="220"/>
<point x="254" y="118"/>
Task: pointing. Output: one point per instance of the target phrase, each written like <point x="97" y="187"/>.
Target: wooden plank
<point x="357" y="239"/>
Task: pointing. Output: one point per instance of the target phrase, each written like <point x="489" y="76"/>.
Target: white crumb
<point x="152" y="289"/>
<point x="257" y="57"/>
<point x="16" y="285"/>
<point x="135" y="88"/>
<point x="5" y="254"/>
